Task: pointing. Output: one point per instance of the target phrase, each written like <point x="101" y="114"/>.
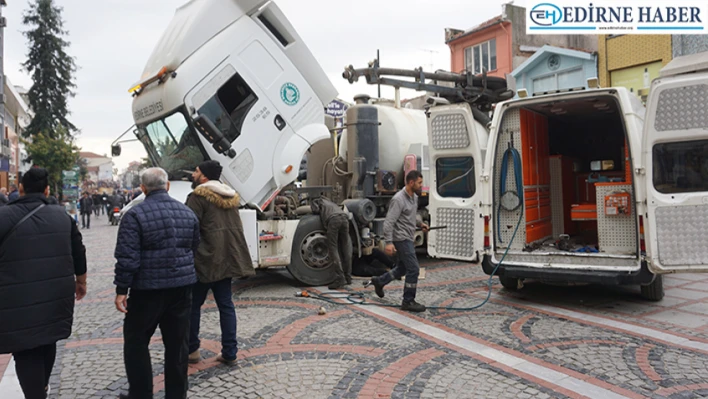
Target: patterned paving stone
<point x="287" y="351"/>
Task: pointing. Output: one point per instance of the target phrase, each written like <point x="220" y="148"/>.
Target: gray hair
<point x="154" y="179"/>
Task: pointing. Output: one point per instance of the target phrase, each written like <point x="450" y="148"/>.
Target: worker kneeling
<point x="399" y="231"/>
<point x="336" y="223"/>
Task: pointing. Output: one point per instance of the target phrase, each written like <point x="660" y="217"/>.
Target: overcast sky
<point x="112" y="39"/>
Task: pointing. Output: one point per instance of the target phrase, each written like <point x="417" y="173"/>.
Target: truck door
<point x="455" y="193"/>
<point x="270" y="113"/>
<point x="676" y="162"/>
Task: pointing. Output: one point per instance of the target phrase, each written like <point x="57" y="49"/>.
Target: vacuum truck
<point x="232" y="81"/>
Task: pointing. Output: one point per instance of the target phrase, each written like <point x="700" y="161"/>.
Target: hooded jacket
<point x="223" y="252"/>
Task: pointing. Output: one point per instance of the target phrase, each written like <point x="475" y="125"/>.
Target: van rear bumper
<point x="642" y="277"/>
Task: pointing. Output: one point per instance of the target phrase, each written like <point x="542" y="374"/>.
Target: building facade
<point x="554" y="68"/>
<point x="15" y="117"/>
<point x="632" y="61"/>
<point x="100" y="170"/>
<point x="500" y="45"/>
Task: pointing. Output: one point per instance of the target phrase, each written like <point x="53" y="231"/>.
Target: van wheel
<point x="511" y="283"/>
<point x="654" y="291"/>
<point x="310" y="262"/>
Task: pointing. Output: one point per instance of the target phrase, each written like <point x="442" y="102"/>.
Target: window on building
<point x="481" y="57"/>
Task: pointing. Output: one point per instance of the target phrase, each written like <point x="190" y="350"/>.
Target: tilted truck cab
<point x="599" y="189"/>
<point x="239" y="66"/>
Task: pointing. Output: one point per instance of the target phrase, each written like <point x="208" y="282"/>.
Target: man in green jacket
<point x="222" y="255"/>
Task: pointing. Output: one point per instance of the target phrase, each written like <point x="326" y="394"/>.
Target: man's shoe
<point x="124" y="396"/>
<point x="337" y="284"/>
<point x="227" y="362"/>
<point x="378" y="287"/>
<point x="413" y="306"/>
<point x="195" y="357"/>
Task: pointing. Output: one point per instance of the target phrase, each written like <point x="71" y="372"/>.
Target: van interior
<point x="577" y="180"/>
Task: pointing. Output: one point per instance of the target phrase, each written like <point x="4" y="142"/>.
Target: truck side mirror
<point x="115" y="150"/>
<point x="212" y="133"/>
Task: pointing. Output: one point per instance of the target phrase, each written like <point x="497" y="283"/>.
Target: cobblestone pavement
<point x="541" y="342"/>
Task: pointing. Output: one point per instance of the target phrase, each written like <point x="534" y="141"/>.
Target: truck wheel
<point x="510" y="283"/>
<point x="310" y="262"/>
<point x="654" y="291"/>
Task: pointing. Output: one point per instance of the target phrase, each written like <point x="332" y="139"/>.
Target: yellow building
<point x="632" y="61"/>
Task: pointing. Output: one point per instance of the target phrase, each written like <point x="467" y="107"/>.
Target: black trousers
<point x="169" y="309"/>
<point x="34" y="367"/>
<point x="339" y="247"/>
<point x="86" y="220"/>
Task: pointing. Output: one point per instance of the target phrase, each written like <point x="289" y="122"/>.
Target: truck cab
<point x="581" y="186"/>
<point x="231" y="80"/>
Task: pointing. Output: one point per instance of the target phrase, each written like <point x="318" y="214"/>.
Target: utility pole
<point x="378" y="63"/>
<point x="431" y="52"/>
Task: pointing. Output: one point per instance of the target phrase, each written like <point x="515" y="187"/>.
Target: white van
<point x="587" y="186"/>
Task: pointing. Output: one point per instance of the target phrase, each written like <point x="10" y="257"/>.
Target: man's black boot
<point x="413" y="306"/>
<point x="340" y="282"/>
<point x="378" y="287"/>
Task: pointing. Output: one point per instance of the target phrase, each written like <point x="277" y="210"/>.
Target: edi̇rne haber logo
<point x="614" y="17"/>
<point x="290" y="94"/>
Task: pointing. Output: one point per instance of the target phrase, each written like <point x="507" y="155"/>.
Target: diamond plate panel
<point x="458" y="238"/>
<point x="450" y="132"/>
<point x="682" y="108"/>
<point x="510" y="129"/>
<point x="682" y="232"/>
<point x="616" y="234"/>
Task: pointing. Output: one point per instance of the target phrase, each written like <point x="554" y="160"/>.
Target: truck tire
<point x="510" y="283"/>
<point x="310" y="262"/>
<point x="655" y="291"/>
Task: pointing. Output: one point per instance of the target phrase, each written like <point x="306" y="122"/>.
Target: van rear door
<point x="455" y="193"/>
<point x="676" y="161"/>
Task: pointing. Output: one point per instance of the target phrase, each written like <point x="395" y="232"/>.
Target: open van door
<point x="455" y="143"/>
<point x="676" y="158"/>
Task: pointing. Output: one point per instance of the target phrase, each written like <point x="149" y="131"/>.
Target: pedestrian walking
<point x="3" y="196"/>
<point x="106" y="205"/>
<point x="336" y="224"/>
<point x="42" y="273"/>
<point x="399" y="231"/>
<point x="96" y="198"/>
<point x="222" y="256"/>
<point x="86" y="204"/>
<point x="154" y="275"/>
<point x="14" y="193"/>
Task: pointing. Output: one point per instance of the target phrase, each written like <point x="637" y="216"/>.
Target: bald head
<point x="3" y="190"/>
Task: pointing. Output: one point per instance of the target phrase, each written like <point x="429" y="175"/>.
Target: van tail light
<point x="487" y="244"/>
<point x="642" y="242"/>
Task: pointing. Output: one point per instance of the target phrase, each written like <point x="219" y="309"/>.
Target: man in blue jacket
<point x="155" y="266"/>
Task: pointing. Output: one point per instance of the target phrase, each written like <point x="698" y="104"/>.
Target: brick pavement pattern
<point x="286" y="350"/>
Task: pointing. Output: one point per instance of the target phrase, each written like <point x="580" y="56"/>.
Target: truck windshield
<point x="173" y="145"/>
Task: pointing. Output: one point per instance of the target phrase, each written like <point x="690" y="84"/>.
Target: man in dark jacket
<point x="336" y="223"/>
<point x="86" y="204"/>
<point x="96" y="198"/>
<point x="222" y="255"/>
<point x="14" y="194"/>
<point x="43" y="268"/>
<point x="155" y="261"/>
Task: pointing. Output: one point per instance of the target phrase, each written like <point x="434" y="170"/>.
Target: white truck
<point x="559" y="187"/>
<point x="231" y="80"/>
